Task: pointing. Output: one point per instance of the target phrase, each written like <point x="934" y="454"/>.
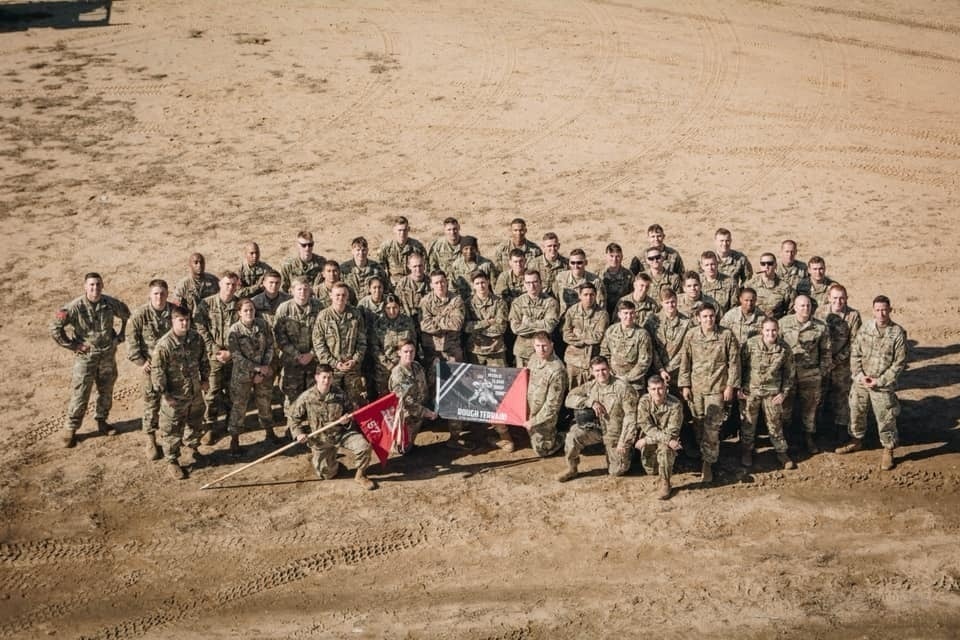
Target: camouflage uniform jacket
<point x="293" y="327"/>
<point x="371" y="311"/>
<point x="646" y="308"/>
<point x="529" y="315"/>
<point x="321" y="293"/>
<point x="767" y="369"/>
<point x="672" y="262"/>
<point x="410" y="385"/>
<point x="251" y="278"/>
<point x="617" y="285"/>
<point x="387" y="335"/>
<point x="819" y="293"/>
<point x="267" y="307"/>
<point x="180" y="365"/>
<point x="338" y="337"/>
<point x="316" y="410"/>
<point x="689" y="307"/>
<point x="619" y="398"/>
<point x="736" y="266"/>
<point x="393" y="256"/>
<point x="810" y="342"/>
<point x="723" y="290"/>
<point x="709" y="361"/>
<point x="793" y="273"/>
<point x="250" y="347"/>
<point x="668" y="335"/>
<point x="486" y="322"/>
<point x="501" y="256"/>
<point x="583" y="331"/>
<point x="773" y="298"/>
<point x="441" y="254"/>
<point x="441" y="322"/>
<point x="461" y="270"/>
<point x="548" y="269"/>
<point x="509" y="286"/>
<point x="191" y="291"/>
<point x="665" y="279"/>
<point x="880" y="354"/>
<point x="147" y="325"/>
<point x="357" y="277"/>
<point x="659" y="423"/>
<point x="565" y="289"/>
<point x="743" y="327"/>
<point x="545" y="390"/>
<point x="92" y="323"/>
<point x="843" y="329"/>
<point x="213" y="319"/>
<point x="294" y="266"/>
<point x="410" y="293"/>
<point x="629" y="351"/>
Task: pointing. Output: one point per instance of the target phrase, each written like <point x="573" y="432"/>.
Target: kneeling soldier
<point x="659" y="418"/>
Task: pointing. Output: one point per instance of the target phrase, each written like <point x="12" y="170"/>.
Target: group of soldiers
<point x="627" y="356"/>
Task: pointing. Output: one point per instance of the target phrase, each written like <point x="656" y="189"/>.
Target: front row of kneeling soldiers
<point x="329" y="355"/>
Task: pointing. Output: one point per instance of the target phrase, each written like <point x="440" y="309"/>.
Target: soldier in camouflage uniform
<point x="293" y="330"/>
<point x="180" y="371"/>
<point x="358" y="272"/>
<point x="197" y="286"/>
<point x="660" y="277"/>
<point x="413" y="287"/>
<point x="212" y="319"/>
<point x="252" y="271"/>
<point x="709" y="378"/>
<point x="532" y="312"/>
<point x="692" y="298"/>
<point x="844" y="324"/>
<point x="627" y="346"/>
<point x="730" y="262"/>
<point x="546" y="390"/>
<point x="744" y="320"/>
<point x="443" y="251"/>
<point x="659" y="419"/>
<point x="394" y="253"/>
<point x="267" y="301"/>
<point x="567" y="283"/>
<point x="340" y="341"/>
<point x="323" y="285"/>
<point x="809" y="339"/>
<point x="617" y="279"/>
<point x="672" y="262"/>
<point x="509" y="284"/>
<point x="518" y="241"/>
<point x="252" y="351"/>
<point x="147" y="325"/>
<point x="816" y="285"/>
<point x="306" y="263"/>
<point x="877" y="358"/>
<point x="715" y="284"/>
<point x="791" y="270"/>
<point x="767" y="364"/>
<point x="409" y="382"/>
<point x="584" y="325"/>
<point x="94" y="339"/>
<point x="324" y="406"/>
<point x="668" y="330"/>
<point x="390" y="331"/>
<point x="774" y="295"/>
<point x="550" y="262"/>
<point x="613" y="404"/>
<point x="466" y="264"/>
<point x="646" y="305"/>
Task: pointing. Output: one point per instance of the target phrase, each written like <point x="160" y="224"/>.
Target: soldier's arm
<point x="856" y="358"/>
<point x="283" y="341"/>
<point x="137" y="351"/>
<point x="733" y="360"/>
<point x="825" y="352"/>
<point x="204" y="369"/>
<point x="201" y="322"/>
<point x="571" y="336"/>
<point x="578" y="397"/>
<point x="320" y="348"/>
<point x="453" y="316"/>
<point x="298" y="417"/>
<point x="158" y="372"/>
<point x="360" y="349"/>
<point x="644" y="357"/>
<point x="497" y="324"/>
<point x="555" y="392"/>
<point x="240" y="359"/>
<point x="686" y="364"/>
<point x="596" y="329"/>
<point x="269" y="345"/>
<point x="745" y="372"/>
<point x="747" y="268"/>
<point x="63" y="319"/>
<point x="121" y="311"/>
<point x="605" y="344"/>
<point x="899" y="362"/>
<point x="789" y="374"/>
<point x="628" y="432"/>
<point x="429" y="321"/>
<point x="551" y="318"/>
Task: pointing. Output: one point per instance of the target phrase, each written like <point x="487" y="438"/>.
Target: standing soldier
<point x="809" y="339"/>
<point x="844" y="324"/>
<point x="672" y="262"/>
<point x="744" y="320"/>
<point x="394" y="253"/>
<point x="518" y="240"/>
<point x="566" y="284"/>
<point x="709" y="378"/>
<point x="94" y="340"/>
<point x="660" y="277"/>
<point x="252" y="351"/>
<point x="715" y="284"/>
<point x="617" y="279"/>
<point x="532" y="312"/>
<point x="413" y="286"/>
<point x="774" y="295"/>
<point x="390" y="331"/>
<point x="767" y="381"/>
<point x="323" y="285"/>
<point x="443" y="251"/>
<point x="668" y="330"/>
<point x="484" y="326"/>
<point x="584" y="325"/>
<point x="731" y="262"/>
<point x="627" y="346"/>
<point x="293" y="330"/>
<point x="147" y="325"/>
<point x="213" y="318"/>
<point x="409" y="382"/>
<point x="340" y="341"/>
<point x="180" y="371"/>
<point x="322" y="406"/>
<point x="466" y="264"/>
<point x="605" y="411"/>
<point x="198" y="285"/>
<point x="546" y="390"/>
<point x="791" y="270"/>
<point x="877" y="358"/>
<point x="816" y="285"/>
<point x="269" y="300"/>
<point x="358" y="272"/>
<point x="692" y="298"/>
<point x="659" y="419"/>
<point x="509" y="284"/>
<point x="252" y="271"/>
<point x="306" y="263"/>
<point x="647" y="305"/>
<point x="550" y="262"/>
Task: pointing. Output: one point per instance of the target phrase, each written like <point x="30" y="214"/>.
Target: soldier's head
<point x="788" y="252"/>
<point x="391" y="306"/>
<point x="655" y="236"/>
<point x="768" y="265"/>
<point x="438" y="283"/>
<point x="627" y="312"/>
<point x="542" y="345"/>
<point x="881" y="310"/>
<point x="614" y="253"/>
<point x="339" y="296"/>
<point x="451" y="230"/>
<point x="300" y="289"/>
<point x="747" y="300"/>
<point x="532" y="283"/>
<point x="709" y="264"/>
<point x="305" y="245"/>
<point x="407" y="352"/>
<point x="518" y="261"/>
<point x="838" y="298"/>
<point x="668" y="300"/>
<point x="360" y="250"/>
<point x="550" y="245"/>
<point x="770" y="330"/>
<point x="93" y="286"/>
<point x="518" y="231"/>
<point x="817" y="267"/>
<point x="803" y="307"/>
<point x="323" y="377"/>
<point x="197" y="264"/>
<point x="657" y="389"/>
<point x="691" y="285"/>
<point x="641" y="285"/>
<point x="587" y="293"/>
<point x="271" y="283"/>
<point x="481" y="283"/>
<point x="469" y="249"/>
<point x="401" y="229"/>
<point x="229" y="283"/>
<point x="654" y="257"/>
<point x="159" y="292"/>
<point x="375" y="288"/>
<point x="251" y="253"/>
<point x="331" y="272"/>
<point x="578" y="262"/>
<point x="246" y="311"/>
<point x="600" y="368"/>
<point x="416" y="265"/>
<point x="707" y="316"/>
<point x="179" y="320"/>
<point x="722" y="239"/>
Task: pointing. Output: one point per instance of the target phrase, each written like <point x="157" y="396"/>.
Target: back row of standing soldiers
<point x="701" y="332"/>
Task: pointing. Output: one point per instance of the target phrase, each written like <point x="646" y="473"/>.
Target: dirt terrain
<point x="188" y="126"/>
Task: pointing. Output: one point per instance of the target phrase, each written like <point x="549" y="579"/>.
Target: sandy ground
<point x="193" y="126"/>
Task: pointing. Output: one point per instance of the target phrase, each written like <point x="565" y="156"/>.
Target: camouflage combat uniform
<point x="213" y="319"/>
<point x="358" y="277"/>
<point x="410" y="385"/>
<point x="672" y="262"/>
<point x="646" y="308"/>
<point x="658" y="424"/>
<point x="388" y="334"/>
<point x="485" y="326"/>
<point x="617" y="284"/>
<point x="528" y="316"/>
<point x="743" y="327"/>
<point x="180" y="366"/>
<point x="312" y="411"/>
<point x="667" y="335"/>
<point x="736" y="266"/>
<point x="341" y="337"/>
<point x="767" y="371"/>
<point x="147" y="326"/>
<point x="509" y="286"/>
<point x="723" y="290"/>
<point x="293" y="330"/>
<point x="620" y="400"/>
<point x="441" y="255"/>
<point x="461" y="270"/>
<point x="501" y="255"/>
<point x="190" y="291"/>
<point x="810" y="343"/>
<point x="566" y="289"/>
<point x="410" y="293"/>
<point x="843" y="330"/>
<point x="294" y="266"/>
<point x="548" y="269"/>
<point x="393" y="257"/>
<point x="250" y="347"/>
<point x="629" y="351"/>
<point x="546" y="389"/>
<point x="793" y="273"/>
<point x="773" y="298"/>
<point x="880" y="354"/>
<point x="251" y="278"/>
<point x="583" y="331"/>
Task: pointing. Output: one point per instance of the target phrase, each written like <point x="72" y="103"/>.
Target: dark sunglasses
<point x="656" y="257"/>
<point x="767" y="263"/>
<point x="306" y="244"/>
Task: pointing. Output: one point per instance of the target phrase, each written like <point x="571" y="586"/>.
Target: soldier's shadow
<point x="436" y="460"/>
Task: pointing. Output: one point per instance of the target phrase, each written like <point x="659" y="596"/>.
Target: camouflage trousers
<point x="488" y="359"/>
<point x="381" y="380"/>
<point x="837" y="393"/>
<point x="579" y="437"/>
<point x="751" y="415"/>
<point x="241" y="388"/>
<point x="325" y="447"/>
<point x="151" y="405"/>
<point x="217" y="398"/>
<point x="353" y="385"/>
<point x="886" y="408"/>
<point x="544" y="439"/>
<point x="658" y="459"/>
<point x="297" y="378"/>
<point x="181" y="422"/>
<point x="708" y="410"/>
<point x="806" y="398"/>
<point x="577" y="375"/>
<point x="89" y="370"/>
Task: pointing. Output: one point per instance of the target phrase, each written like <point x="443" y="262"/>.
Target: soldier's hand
<point x="641" y="443"/>
<point x="429" y="415"/>
<point x="674" y="444"/>
<point x="205" y="386"/>
<point x="728" y="394"/>
<point x="665" y="375"/>
<point x="869" y="382"/>
<point x="344" y="419"/>
<point x="121" y="337"/>
<point x="622" y="449"/>
<point x="304" y="358"/>
<point x="223" y="356"/>
<point x="687" y="394"/>
<point x="600" y="410"/>
<point x="82" y="348"/>
<point x="527" y="425"/>
<point x="779" y="398"/>
<point x="742" y="394"/>
<point x="169" y="400"/>
<point x="146" y="367"/>
<point x="302" y="438"/>
<point x="344" y="365"/>
<point x="266" y="371"/>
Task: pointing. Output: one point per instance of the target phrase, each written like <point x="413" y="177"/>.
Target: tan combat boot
<point x="153" y="451"/>
<point x="706" y="473"/>
<point x="235" y="448"/>
<point x="786" y="461"/>
<point x="569" y="474"/>
<point x="746" y="456"/>
<point x="663" y="493"/>
<point x="210" y="436"/>
<point x="271" y="436"/>
<point x="886" y="460"/>
<point x="361" y="479"/>
<point x="812" y="447"/>
<point x="855" y="444"/>
<point x="176" y="471"/>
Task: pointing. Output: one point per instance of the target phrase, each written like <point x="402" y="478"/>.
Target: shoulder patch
<point x="62" y="315"/>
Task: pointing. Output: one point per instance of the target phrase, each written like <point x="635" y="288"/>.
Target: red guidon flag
<point x="382" y="425"/>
